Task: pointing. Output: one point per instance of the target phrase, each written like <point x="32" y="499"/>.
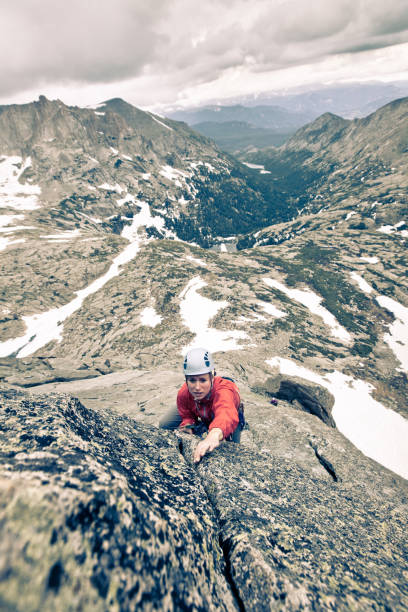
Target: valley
<point x="127" y="238"/>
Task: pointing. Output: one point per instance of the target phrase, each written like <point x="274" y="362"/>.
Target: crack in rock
<point x="328" y="466"/>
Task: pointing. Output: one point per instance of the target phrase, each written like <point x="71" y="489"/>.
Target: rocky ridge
<point x="94" y="167"/>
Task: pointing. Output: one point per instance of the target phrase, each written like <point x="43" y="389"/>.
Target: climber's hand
<point x="210" y="442"/>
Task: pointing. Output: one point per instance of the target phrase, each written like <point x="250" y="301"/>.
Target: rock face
<point x="98" y="514"/>
<point x="101" y="512"/>
<point x="106" y="512"/>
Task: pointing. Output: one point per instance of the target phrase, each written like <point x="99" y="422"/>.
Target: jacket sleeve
<point x="225" y="408"/>
<point x="187" y="416"/>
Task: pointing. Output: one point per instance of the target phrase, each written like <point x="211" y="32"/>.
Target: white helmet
<point x="198" y="361"/>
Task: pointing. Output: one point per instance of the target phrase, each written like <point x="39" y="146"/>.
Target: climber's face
<point x="199" y="385"/>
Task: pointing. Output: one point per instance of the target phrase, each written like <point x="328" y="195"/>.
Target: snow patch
<point x="364" y="286"/>
<point x="14" y="194"/>
<point x="16" y="228"/>
<point x="270" y="309"/>
<point x="380" y="433"/>
<point x="161" y="122"/>
<point x="64" y="235"/>
<point x="196" y="260"/>
<point x="108" y="187"/>
<point x="259" y="167"/>
<point x="142" y="219"/>
<point x="196" y="313"/>
<point x="397" y="339"/>
<point x="312" y="301"/>
<point x="372" y="260"/>
<point x="128" y="198"/>
<point x="5" y="242"/>
<point x="6" y="220"/>
<point x="149" y="317"/>
<point x="174" y="175"/>
<point x="392" y="229"/>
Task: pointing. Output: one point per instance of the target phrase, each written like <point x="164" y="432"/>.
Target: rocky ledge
<point x="100" y="512"/>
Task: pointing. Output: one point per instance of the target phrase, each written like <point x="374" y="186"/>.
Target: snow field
<point x="312" y="301"/>
<point x="380" y="433"/>
<point x="197" y="311"/>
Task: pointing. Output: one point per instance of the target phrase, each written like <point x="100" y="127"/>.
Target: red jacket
<point x="218" y="409"/>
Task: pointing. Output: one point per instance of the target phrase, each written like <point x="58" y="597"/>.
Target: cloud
<point x="270" y="35"/>
<point x="79" y="40"/>
<point x="176" y="45"/>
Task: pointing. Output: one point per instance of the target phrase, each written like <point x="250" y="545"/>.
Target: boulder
<point x="303" y="394"/>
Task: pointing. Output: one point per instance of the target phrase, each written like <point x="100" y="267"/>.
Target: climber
<point x="206" y="403"/>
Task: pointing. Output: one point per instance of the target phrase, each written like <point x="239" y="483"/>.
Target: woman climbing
<point x="206" y="403"/>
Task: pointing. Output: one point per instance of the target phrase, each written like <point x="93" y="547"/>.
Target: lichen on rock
<point x="92" y="519"/>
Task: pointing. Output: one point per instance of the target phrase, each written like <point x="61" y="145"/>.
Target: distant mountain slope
<point x="267" y="117"/>
<point x="337" y="162"/>
<point x="228" y="124"/>
<point x="237" y="136"/>
<point x="349" y="100"/>
<point x="236" y="128"/>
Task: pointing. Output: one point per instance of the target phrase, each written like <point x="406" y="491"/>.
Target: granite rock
<point x="303" y="394"/>
<point x="307" y="522"/>
<point x="98" y="513"/>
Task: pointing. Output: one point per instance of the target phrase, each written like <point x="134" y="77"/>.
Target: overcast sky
<point x="168" y="53"/>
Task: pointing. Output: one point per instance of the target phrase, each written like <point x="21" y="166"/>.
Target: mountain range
<point x="127" y="238"/>
<point x="270" y="120"/>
